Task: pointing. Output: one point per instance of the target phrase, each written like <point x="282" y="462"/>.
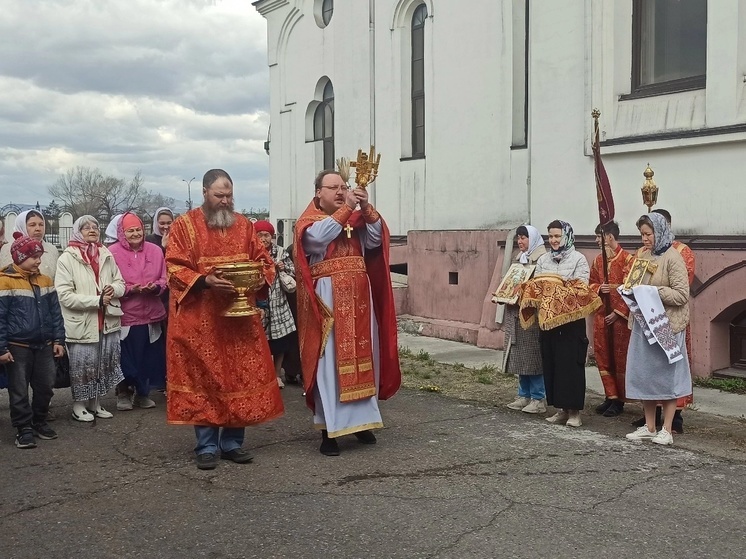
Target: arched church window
<point x="323" y="125"/>
<point x="327" y="9"/>
<point x="418" y="81"/>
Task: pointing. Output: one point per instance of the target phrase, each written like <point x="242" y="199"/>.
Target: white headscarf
<point x="159" y="212"/>
<point x="110" y="236"/>
<point x="20" y="226"/>
<point x="534" y="241"/>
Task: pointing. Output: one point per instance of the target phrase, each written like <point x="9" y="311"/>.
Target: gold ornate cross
<point x="348" y="230"/>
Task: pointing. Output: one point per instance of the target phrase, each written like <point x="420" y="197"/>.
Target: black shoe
<point x="366" y="437"/>
<point x="616" y="408"/>
<point x="44" y="431"/>
<point x="237" y="455"/>
<point x="207" y="461"/>
<point x="329" y="447"/>
<point x="600" y="409"/>
<point x="291" y="379"/>
<point x="677" y="426"/>
<point x="25" y="438"/>
<point x="658" y="420"/>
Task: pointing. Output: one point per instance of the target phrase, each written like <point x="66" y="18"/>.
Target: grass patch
<point x="404" y="351"/>
<point x="732" y="385"/>
<point x="424" y="356"/>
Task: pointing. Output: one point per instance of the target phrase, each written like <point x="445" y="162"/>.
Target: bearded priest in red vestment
<point x="220" y="371"/>
<point x="346" y="315"/>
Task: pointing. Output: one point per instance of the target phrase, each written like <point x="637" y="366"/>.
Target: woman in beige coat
<point x="651" y="376"/>
<point x="89" y="285"/>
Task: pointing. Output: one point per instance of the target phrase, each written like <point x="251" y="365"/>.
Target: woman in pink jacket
<point x="143" y="342"/>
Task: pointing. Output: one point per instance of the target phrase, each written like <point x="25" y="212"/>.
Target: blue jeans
<point x="531" y="386"/>
<point x="209" y="439"/>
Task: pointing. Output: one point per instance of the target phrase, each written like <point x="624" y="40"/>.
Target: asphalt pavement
<point x="447" y="479"/>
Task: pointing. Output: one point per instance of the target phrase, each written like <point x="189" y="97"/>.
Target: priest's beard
<point x="220" y="218"/>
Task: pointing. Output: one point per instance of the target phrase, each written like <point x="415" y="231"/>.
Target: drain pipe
<point x="372" y="63"/>
<point x="507" y="261"/>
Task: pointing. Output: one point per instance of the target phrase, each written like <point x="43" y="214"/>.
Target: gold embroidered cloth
<point x="555" y="301"/>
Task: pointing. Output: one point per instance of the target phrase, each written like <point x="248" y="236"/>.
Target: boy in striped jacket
<point x="32" y="334"/>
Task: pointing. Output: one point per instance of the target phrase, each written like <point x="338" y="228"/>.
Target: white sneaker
<point x="535" y="406"/>
<point x="144" y="402"/>
<point x="124" y="403"/>
<point x="519" y="403"/>
<point x="641" y="434"/>
<point x="560" y="417"/>
<point x="574" y="420"/>
<point x="663" y="437"/>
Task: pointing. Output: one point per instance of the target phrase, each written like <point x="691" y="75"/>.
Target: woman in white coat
<point x="31" y="224"/>
<point x="89" y="286"/>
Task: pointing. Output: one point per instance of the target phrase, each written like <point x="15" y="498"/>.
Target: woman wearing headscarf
<point x="279" y="324"/>
<point x="110" y="236"/>
<point x="162" y="222"/>
<point x="658" y="370"/>
<point x="31" y="224"/>
<point x="89" y="286"/>
<point x="560" y="298"/>
<point x="523" y="352"/>
<point x="143" y="341"/>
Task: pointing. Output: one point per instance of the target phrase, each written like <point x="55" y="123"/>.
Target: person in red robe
<point x="610" y="331"/>
<point x="220" y="371"/>
<point x="346" y="315"/>
<point x="688" y="255"/>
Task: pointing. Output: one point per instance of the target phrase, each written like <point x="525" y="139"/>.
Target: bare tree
<point x="84" y="190"/>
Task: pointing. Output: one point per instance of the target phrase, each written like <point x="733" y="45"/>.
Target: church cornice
<point x="265" y="7"/>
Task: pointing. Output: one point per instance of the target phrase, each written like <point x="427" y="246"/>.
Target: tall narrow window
<point x="418" y="81"/>
<point x="323" y="125"/>
<point x="327" y="9"/>
<point x="669" y="46"/>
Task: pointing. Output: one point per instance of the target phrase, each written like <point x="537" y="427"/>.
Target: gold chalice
<point x="246" y="277"/>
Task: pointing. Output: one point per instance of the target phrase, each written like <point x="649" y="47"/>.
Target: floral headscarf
<point x="89" y="251"/>
<point x="534" y="241"/>
<point x="567" y="243"/>
<point x="663" y="235"/>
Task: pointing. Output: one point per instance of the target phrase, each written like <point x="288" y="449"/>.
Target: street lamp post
<point x="189" y="188"/>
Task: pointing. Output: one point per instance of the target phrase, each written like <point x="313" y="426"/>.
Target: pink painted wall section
<point x="432" y="257"/>
<point x="464" y="310"/>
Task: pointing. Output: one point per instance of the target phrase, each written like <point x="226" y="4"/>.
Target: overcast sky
<point x="168" y="87"/>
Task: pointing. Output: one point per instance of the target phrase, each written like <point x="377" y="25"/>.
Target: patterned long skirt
<point x="95" y="368"/>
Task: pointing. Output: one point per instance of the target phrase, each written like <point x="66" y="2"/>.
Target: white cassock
<point x="336" y="417"/>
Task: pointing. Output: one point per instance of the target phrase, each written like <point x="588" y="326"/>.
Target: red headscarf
<point x="265" y="226"/>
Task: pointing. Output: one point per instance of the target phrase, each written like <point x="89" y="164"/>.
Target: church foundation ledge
<point x="465" y="332"/>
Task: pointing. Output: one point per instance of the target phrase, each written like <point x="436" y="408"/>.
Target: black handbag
<point x="62" y="372"/>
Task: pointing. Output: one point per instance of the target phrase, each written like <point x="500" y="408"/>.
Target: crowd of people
<point x="640" y="309"/>
<point x="135" y="313"/>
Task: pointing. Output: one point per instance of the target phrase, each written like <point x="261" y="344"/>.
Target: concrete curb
<point x="706" y="400"/>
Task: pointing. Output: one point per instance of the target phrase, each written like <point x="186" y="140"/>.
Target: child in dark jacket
<point x="32" y="334"/>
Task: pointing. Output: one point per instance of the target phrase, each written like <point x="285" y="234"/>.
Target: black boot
<point x="366" y="437"/>
<point x="600" y="409"/>
<point x="678" y="423"/>
<point x="616" y="408"/>
<point x="329" y="447"/>
<point x="658" y="420"/>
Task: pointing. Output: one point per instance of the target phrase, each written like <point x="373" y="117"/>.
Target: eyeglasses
<point x="89" y="228"/>
<point x="342" y="187"/>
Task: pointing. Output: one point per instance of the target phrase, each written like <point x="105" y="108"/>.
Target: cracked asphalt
<point x="447" y="479"/>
